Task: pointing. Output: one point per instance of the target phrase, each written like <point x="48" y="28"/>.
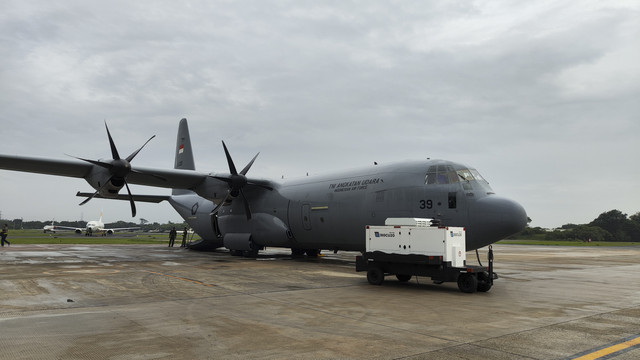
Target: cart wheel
<point x="484" y="283"/>
<point x="403" y="277"/>
<point x="467" y="283"/>
<point x="375" y="276"/>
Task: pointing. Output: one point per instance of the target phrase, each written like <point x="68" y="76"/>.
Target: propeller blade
<point x="154" y="175"/>
<point x="118" y="169"/>
<point x="133" y="204"/>
<point x="130" y="157"/>
<point x="222" y="178"/>
<point x="94" y="162"/>
<point x="96" y="193"/>
<point x="232" y="167"/>
<point x="114" y="151"/>
<point x="246" y="205"/>
<point x="215" y="209"/>
<point x="237" y="181"/>
<point x="260" y="185"/>
<point x="246" y="168"/>
<point x="88" y="198"/>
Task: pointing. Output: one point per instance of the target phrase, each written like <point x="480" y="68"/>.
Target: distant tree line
<point x="144" y="225"/>
<point x="609" y="226"/>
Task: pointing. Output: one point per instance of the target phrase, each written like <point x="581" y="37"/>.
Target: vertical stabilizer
<point x="184" y="152"/>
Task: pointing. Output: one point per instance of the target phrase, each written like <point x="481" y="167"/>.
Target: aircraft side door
<point x="306" y="216"/>
<point x="299" y="219"/>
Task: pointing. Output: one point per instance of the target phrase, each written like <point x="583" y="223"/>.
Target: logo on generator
<point x="379" y="234"/>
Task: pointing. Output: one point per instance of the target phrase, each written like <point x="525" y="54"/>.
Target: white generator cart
<point x="407" y="247"/>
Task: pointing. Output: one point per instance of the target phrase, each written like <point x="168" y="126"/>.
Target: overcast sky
<point x="542" y="97"/>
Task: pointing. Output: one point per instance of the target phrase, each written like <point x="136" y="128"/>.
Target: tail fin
<point x="184" y="152"/>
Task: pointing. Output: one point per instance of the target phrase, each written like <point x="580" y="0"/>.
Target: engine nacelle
<point x="99" y="176"/>
<point x="212" y="189"/>
<point x="238" y="241"/>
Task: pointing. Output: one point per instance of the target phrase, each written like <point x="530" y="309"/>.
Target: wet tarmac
<point x="155" y="302"/>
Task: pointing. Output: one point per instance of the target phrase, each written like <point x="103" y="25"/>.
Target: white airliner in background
<point x="92" y="227"/>
<point x="57" y="228"/>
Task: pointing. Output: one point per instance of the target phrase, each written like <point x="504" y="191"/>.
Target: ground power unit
<point x="408" y="247"/>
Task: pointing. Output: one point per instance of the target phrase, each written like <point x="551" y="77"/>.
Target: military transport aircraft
<point x="246" y="214"/>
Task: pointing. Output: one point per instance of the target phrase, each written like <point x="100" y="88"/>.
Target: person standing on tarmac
<point x="172" y="236"/>
<point x="3" y="235"/>
<point x="184" y="237"/>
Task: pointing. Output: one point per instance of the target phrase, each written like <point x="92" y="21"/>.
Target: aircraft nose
<point x="493" y="218"/>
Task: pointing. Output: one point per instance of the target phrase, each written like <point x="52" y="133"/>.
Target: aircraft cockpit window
<point x="465" y="175"/>
<point x="453" y="177"/>
<point x="477" y="175"/>
<point x="441" y="174"/>
<point x="431" y="175"/>
<point x="472" y="180"/>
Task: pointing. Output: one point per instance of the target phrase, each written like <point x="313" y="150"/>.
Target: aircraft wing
<point x="68" y="168"/>
<point x="172" y="179"/>
<point x="165" y="178"/>
<point x="58" y="228"/>
<point x="121" y="229"/>
<point x="169" y="178"/>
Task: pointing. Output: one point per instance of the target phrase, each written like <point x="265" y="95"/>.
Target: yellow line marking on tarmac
<point x="610" y="350"/>
<point x="180" y="278"/>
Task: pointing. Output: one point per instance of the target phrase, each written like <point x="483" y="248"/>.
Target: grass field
<point x="567" y="243"/>
<point x="39" y="237"/>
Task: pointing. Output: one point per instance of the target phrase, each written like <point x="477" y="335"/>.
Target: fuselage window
<point x="452" y="200"/>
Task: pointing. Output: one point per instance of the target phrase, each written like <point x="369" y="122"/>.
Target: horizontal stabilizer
<point x="142" y="198"/>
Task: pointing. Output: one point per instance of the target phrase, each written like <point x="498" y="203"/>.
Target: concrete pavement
<point x="154" y="302"/>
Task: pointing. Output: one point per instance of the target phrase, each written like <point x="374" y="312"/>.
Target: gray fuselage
<point x="331" y="212"/>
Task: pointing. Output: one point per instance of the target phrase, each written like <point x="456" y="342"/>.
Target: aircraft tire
<point x="375" y="276"/>
<point x="467" y="283"/>
<point x="403" y="277"/>
<point x="297" y="252"/>
<point x="250" y="254"/>
<point x="312" y="253"/>
<point x="484" y="283"/>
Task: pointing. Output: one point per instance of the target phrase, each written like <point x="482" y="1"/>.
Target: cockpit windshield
<point x="441" y="174"/>
<point x="447" y="174"/>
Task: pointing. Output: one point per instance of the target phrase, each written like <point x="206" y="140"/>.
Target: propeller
<point x="118" y="168"/>
<point x="237" y="181"/>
